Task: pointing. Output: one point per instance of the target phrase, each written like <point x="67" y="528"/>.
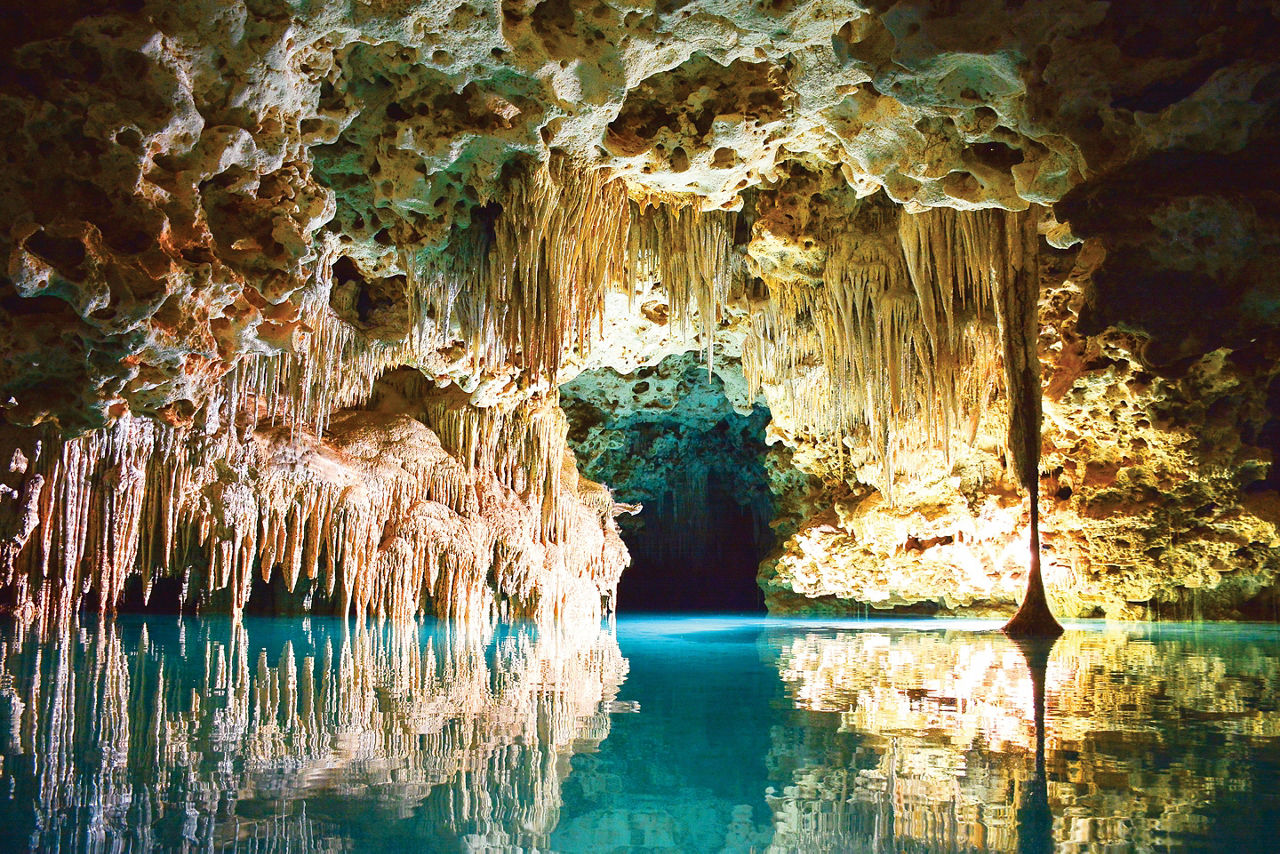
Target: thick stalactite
<point x="1018" y="300"/>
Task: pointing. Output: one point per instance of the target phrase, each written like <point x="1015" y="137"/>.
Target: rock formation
<point x="288" y="293"/>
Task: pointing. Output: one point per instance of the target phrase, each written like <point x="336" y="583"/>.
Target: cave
<point x="702" y="425"/>
<point x="670" y="443"/>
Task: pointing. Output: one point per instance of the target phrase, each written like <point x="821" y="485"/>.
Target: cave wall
<point x="1156" y="494"/>
<point x="224" y="223"/>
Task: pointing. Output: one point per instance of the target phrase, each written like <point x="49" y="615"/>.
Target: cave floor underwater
<point x="648" y="733"/>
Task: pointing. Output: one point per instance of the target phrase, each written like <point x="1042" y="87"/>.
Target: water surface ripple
<point x="658" y="735"/>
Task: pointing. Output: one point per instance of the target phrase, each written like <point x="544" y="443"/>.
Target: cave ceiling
<point x="176" y="173"/>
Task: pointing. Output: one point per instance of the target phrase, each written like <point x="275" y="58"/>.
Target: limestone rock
<point x="231" y="219"/>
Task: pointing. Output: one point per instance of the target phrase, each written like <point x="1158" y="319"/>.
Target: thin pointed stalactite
<point x="918" y="319"/>
<point x="378" y="519"/>
<point x="525" y="281"/>
<point x="522" y="285"/>
<point x="899" y="345"/>
<point x="690" y="253"/>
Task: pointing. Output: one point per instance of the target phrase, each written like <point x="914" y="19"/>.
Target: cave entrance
<point x="667" y="437"/>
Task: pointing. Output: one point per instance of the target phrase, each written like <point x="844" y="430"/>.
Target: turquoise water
<point x="666" y="734"/>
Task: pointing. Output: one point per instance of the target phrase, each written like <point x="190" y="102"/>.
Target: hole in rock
<point x="1268" y="437"/>
<point x="667" y="437"/>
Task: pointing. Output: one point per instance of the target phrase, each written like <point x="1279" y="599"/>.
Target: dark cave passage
<point x="677" y="566"/>
<point x="667" y="438"/>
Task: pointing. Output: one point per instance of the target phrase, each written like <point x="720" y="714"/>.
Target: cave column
<point x="1018" y="297"/>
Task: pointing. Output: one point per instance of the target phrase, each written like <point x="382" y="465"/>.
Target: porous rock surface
<point x="219" y="215"/>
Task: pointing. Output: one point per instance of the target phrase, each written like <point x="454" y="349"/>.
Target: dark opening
<point x="1268" y="436"/>
<point x="667" y="437"/>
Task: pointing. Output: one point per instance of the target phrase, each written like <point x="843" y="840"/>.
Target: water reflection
<point x="725" y="736"/>
<point x="265" y="737"/>
<point x="1035" y="819"/>
<point x="1143" y="741"/>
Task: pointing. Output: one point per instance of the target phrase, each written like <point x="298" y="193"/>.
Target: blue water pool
<point x="660" y="734"/>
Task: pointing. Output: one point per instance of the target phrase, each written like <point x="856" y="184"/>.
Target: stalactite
<point x="902" y="334"/>
<point x="990" y="260"/>
<point x="690" y="253"/>
<point x="380" y="518"/>
<point x="525" y="282"/>
<point x="336" y="366"/>
<point x="522" y="442"/>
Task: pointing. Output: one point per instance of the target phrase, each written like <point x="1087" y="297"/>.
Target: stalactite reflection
<point x="295" y="735"/>
<point x="197" y="735"/>
<point x="1035" y="818"/>
<point x="969" y="742"/>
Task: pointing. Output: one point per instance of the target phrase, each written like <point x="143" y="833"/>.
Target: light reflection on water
<point x="672" y="734"/>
